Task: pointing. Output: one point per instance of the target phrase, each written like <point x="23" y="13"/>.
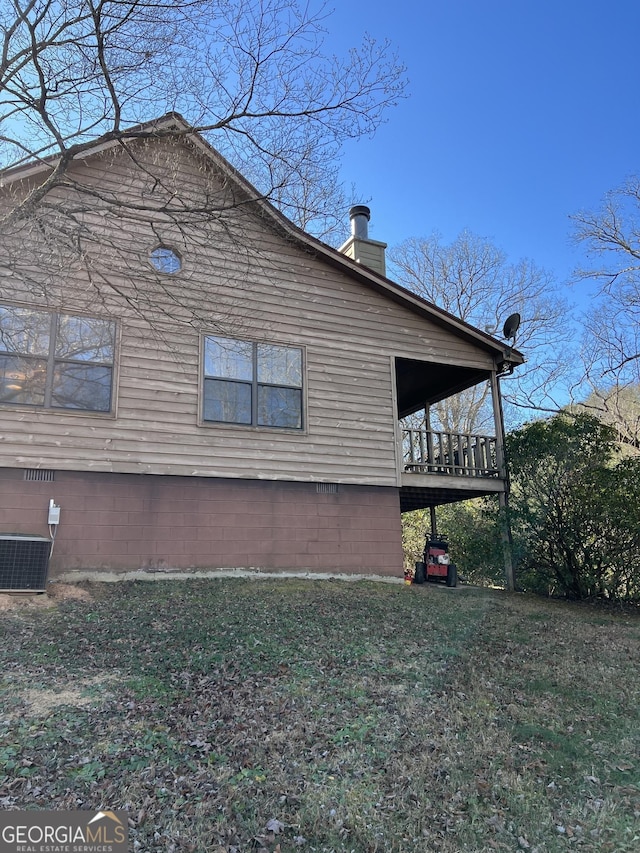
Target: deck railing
<point x="429" y="452"/>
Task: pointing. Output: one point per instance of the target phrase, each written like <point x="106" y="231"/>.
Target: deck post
<point x="503" y="497"/>
<point x="427" y="426"/>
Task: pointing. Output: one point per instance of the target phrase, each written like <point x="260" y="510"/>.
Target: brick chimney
<point x="369" y="253"/>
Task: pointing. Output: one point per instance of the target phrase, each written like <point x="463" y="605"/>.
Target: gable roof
<point x="173" y="124"/>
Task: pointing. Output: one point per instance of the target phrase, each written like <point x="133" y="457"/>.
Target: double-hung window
<point x="55" y="360"/>
<point x="252" y="383"/>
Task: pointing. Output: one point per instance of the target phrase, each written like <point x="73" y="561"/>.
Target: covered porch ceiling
<point x="424" y="382"/>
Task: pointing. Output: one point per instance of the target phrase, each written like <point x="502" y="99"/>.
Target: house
<point x="199" y="384"/>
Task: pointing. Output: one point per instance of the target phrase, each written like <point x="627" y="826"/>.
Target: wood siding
<point x="240" y="278"/>
<point x="369" y="253"/>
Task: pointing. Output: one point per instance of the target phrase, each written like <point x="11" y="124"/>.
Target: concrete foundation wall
<point x="124" y="522"/>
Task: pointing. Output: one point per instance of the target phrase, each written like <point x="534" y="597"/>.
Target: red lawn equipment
<point x="437" y="565"/>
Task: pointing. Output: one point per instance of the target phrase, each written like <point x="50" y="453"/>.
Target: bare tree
<point x="619" y="407"/>
<point x="611" y="237"/>
<point x="252" y="77"/>
<point x="252" y="74"/>
<point x="473" y="280"/>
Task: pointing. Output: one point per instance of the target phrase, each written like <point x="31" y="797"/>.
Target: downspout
<point x="503" y="497"/>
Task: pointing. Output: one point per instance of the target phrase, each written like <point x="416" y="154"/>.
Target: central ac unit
<point x="24" y="562"/>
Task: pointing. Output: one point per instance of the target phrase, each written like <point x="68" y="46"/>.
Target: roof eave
<point x="502" y="354"/>
<point x="46" y="164"/>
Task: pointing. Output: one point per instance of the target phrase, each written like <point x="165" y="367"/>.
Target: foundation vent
<point x="327" y="488"/>
<point x="24" y="562"/>
<point x="42" y="475"/>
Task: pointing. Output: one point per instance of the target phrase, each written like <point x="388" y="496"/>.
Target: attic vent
<point x="327" y="488"/>
<point x="24" y="561"/>
<point x="166" y="260"/>
<point x="44" y="475"/>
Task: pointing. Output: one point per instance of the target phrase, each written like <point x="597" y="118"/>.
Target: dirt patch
<point x="65" y="591"/>
<point x="55" y="592"/>
<point x="42" y="701"/>
<point x="24" y="599"/>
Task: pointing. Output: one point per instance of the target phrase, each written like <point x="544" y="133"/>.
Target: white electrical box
<point x="54" y="513"/>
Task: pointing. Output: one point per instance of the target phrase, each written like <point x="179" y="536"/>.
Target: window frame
<point x="254" y="385"/>
<point x="52" y="360"/>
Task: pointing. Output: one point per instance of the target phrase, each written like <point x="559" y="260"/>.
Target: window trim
<point x="254" y="384"/>
<point x="51" y="361"/>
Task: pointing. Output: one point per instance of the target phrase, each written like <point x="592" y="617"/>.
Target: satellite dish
<point x="511" y="326"/>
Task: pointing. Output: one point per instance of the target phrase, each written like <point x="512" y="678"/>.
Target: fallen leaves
<point x="283" y="716"/>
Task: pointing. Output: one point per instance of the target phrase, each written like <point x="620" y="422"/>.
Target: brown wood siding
<point x="246" y="281"/>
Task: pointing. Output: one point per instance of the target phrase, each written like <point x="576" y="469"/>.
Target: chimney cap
<point x="359" y="210"/>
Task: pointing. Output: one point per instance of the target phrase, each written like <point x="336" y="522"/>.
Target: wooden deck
<point x="443" y="467"/>
<point x="429" y="452"/>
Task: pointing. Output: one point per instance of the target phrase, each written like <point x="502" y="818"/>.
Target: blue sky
<point x="520" y="113"/>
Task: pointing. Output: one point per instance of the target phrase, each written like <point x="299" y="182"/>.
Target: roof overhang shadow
<point x="420" y="383"/>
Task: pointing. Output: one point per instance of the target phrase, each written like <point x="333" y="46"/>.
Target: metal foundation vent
<point x="42" y="475"/>
<point x="24" y="562"/>
<point x="327" y="488"/>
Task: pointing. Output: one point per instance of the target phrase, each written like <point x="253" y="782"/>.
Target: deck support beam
<point x="503" y="497"/>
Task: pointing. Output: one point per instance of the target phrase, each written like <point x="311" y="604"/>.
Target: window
<point x="251" y="383"/>
<point x="166" y="260"/>
<point x="55" y="360"/>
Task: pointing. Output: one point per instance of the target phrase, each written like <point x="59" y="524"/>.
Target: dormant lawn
<point x="233" y="715"/>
